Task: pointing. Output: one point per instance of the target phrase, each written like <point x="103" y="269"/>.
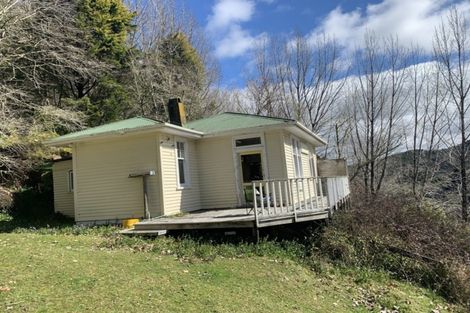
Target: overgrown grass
<point x="55" y="265"/>
<point x="75" y="273"/>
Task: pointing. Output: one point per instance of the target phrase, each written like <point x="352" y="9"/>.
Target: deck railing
<point x="283" y="197"/>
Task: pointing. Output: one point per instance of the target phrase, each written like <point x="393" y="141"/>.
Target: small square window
<point x="253" y="141"/>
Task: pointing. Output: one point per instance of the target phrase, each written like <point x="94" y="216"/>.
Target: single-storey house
<point x="144" y="168"/>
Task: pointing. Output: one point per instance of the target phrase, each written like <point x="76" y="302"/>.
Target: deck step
<point x="155" y="232"/>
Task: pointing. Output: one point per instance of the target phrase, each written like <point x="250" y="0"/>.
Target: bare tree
<point x="153" y="80"/>
<point x="262" y="88"/>
<point x="427" y="107"/>
<point x="377" y="107"/>
<point x="298" y="78"/>
<point x="451" y="47"/>
<point x="39" y="50"/>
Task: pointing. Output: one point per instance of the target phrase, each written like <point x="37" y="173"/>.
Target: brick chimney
<point x="176" y="112"/>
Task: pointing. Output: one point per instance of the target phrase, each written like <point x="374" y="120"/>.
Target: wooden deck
<point x="224" y="218"/>
<point x="275" y="202"/>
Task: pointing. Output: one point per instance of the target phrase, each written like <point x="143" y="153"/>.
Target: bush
<point x="35" y="198"/>
<point x="418" y="243"/>
<point x="6" y="199"/>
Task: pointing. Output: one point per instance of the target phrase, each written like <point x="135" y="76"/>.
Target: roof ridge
<point x="258" y="115"/>
<point x="126" y="119"/>
<point x="147" y="118"/>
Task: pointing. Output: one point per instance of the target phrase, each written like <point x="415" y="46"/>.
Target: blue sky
<point x="233" y="27"/>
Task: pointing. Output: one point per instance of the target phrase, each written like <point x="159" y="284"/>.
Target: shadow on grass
<point x="9" y="223"/>
<point x="300" y="232"/>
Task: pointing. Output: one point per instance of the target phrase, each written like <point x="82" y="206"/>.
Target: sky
<point x="233" y="27"/>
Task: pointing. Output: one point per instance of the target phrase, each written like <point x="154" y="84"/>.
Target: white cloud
<point x="224" y="25"/>
<point x="227" y="12"/>
<point x="237" y="42"/>
<point x="413" y="21"/>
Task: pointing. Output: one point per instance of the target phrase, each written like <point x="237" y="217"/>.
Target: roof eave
<point x="319" y="141"/>
<point x="314" y="138"/>
<point x="177" y="130"/>
<point x="180" y="130"/>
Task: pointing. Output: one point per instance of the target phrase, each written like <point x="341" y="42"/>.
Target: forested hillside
<point x="65" y="65"/>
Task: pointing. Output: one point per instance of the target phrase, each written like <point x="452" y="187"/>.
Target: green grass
<point x="67" y="269"/>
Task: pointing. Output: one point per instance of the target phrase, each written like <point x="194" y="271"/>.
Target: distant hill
<point x="442" y="176"/>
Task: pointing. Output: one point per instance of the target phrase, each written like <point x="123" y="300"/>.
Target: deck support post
<point x="256" y="233"/>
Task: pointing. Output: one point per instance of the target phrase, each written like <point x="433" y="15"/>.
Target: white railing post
<point x="287" y="190"/>
<point x="255" y="204"/>
<point x="268" y="197"/>
<point x="274" y="197"/>
<point x="297" y="191"/>
<point x="261" y="195"/>
<point x="310" y="193"/>
<point x="280" y="196"/>
<point x="303" y="193"/>
<point x="317" y="194"/>
<point x="293" y="199"/>
<point x="321" y="193"/>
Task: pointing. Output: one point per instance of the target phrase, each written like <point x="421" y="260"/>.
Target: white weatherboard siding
<point x="305" y="153"/>
<point x="176" y="199"/>
<point x="307" y="150"/>
<point x="217" y="173"/>
<point x="287" y="140"/>
<point x="63" y="196"/>
<point x="103" y="189"/>
<point x="275" y="155"/>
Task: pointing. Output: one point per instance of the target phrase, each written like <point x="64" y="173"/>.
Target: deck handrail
<point x="293" y="196"/>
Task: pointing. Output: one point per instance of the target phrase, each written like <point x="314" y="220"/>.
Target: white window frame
<point x="312" y="158"/>
<point x="70" y="180"/>
<point x="187" y="178"/>
<point x="297" y="157"/>
<point x="248" y="147"/>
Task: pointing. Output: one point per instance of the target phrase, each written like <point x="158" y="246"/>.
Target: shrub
<point x="415" y="242"/>
<point x="6" y="199"/>
<point x="35" y="198"/>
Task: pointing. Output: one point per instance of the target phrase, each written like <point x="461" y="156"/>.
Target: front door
<point x="251" y="169"/>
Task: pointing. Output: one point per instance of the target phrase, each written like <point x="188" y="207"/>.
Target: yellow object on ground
<point x="129" y="223"/>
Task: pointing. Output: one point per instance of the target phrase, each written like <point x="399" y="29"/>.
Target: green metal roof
<point x="233" y="121"/>
<point x="220" y="123"/>
<point x="132" y="123"/>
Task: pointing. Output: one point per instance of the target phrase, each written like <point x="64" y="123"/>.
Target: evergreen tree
<point x="107" y="23"/>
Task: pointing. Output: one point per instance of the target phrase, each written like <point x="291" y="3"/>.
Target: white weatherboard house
<point x="210" y="164"/>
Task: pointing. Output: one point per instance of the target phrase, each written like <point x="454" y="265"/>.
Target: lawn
<point x="46" y="271"/>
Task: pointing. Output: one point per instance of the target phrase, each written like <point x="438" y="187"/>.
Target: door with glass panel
<point x="251" y="168"/>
